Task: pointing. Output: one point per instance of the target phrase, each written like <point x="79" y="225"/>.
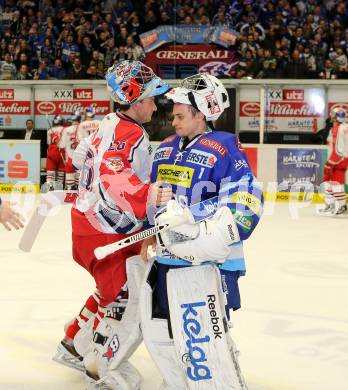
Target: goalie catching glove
<point x="208" y="240"/>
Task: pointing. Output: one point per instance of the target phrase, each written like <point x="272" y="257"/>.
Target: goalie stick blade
<point x="31" y="231"/>
<point x="47" y="202"/>
<point x="200" y="211"/>
<point x="103" y="251"/>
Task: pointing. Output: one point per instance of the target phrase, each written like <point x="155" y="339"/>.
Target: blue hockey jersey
<point x="212" y="164"/>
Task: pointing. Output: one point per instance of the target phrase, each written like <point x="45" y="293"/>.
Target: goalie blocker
<point x="193" y="350"/>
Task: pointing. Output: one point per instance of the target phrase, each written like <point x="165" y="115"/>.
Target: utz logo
<point x="83" y="94"/>
<point x="197" y="371"/>
<point x="293" y="94"/>
<point x="44" y="108"/>
<point x="250" y="109"/>
<point x="112" y="348"/>
<point x="6" y="94"/>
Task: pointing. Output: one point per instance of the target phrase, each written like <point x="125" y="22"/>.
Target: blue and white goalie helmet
<point x="338" y="114"/>
<point x="129" y="82"/>
<point x="204" y="92"/>
<point x="76" y="116"/>
<point x="90" y="112"/>
<point x="57" y="121"/>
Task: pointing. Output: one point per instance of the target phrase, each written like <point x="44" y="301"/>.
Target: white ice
<point x="292" y="329"/>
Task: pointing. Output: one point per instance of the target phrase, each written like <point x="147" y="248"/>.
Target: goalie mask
<point x="204" y="92"/>
<point x="57" y="121"/>
<point x="338" y="114"/>
<point x="131" y="81"/>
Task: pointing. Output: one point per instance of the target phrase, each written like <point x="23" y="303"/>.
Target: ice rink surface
<point x="292" y="330"/>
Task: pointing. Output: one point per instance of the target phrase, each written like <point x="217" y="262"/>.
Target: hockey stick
<point x="199" y="211"/>
<point x="47" y="203"/>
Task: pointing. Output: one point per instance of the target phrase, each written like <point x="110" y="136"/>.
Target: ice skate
<point x="326" y="211"/>
<point x="67" y="356"/>
<point x="340" y="210"/>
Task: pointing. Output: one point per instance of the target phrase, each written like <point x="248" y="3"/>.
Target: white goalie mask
<point x="204" y="92"/>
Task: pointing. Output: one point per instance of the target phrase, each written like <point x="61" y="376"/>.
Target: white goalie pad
<point x="115" y="341"/>
<point x="203" y="345"/>
<point x="157" y="340"/>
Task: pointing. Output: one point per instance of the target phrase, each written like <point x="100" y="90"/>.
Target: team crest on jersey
<point x="163" y="153"/>
<point x="115" y="164"/>
<point x="202" y="158"/>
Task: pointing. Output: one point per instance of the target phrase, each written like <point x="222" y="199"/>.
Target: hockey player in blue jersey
<point x="185" y="307"/>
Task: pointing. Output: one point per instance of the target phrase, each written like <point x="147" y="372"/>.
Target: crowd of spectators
<point x="80" y="39"/>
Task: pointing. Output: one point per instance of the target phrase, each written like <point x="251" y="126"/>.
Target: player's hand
<point x="145" y="247"/>
<point x="160" y="194"/>
<point x="10" y="218"/>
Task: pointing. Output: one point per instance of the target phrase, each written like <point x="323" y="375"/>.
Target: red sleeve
<point x="335" y="157"/>
<point x="120" y="185"/>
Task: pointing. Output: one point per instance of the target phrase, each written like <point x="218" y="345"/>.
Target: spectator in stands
<point x="86" y="49"/>
<point x="8" y="70"/>
<point x="23" y="73"/>
<point x="121" y="55"/>
<point x="252" y="27"/>
<point x="92" y="73"/>
<point x="272" y="71"/>
<point x="57" y="71"/>
<point x="97" y="61"/>
<point x="328" y="72"/>
<point x="42" y="72"/>
<point x="109" y="51"/>
<point x="76" y="70"/>
<point x="296" y="68"/>
<point x="134" y="51"/>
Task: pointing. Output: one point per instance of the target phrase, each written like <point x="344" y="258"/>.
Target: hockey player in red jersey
<point x="88" y="125"/>
<point x="55" y="162"/>
<point x="114" y="191"/>
<point x="69" y="143"/>
<point x="336" y="166"/>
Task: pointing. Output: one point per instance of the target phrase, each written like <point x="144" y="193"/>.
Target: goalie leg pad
<point x="200" y="329"/>
<point x="114" y="340"/>
<point x="156" y="336"/>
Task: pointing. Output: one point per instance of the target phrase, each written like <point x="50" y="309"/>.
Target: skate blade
<point x="66" y="359"/>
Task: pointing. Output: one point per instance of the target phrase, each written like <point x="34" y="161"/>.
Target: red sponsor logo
<point x="16" y="108"/>
<point x="6" y="94"/>
<point x="249" y="108"/>
<point x="70" y="197"/>
<point x="101" y="107"/>
<point x="44" y="108"/>
<point x="214" y="145"/>
<point x="84" y="94"/>
<point x="294" y="109"/>
<point x="293" y="94"/>
<point x="18" y="169"/>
